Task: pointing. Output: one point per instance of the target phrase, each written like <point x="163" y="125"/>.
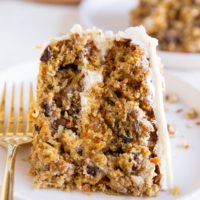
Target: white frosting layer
<point x="138" y="36"/>
<point x="90" y="79"/>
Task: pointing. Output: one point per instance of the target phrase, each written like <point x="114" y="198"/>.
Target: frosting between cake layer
<point x="90" y="79"/>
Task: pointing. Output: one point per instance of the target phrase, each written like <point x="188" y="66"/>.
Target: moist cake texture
<point x="175" y="23"/>
<point x="99" y="121"/>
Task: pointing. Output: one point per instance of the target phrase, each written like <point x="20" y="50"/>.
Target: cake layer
<point x="100" y="123"/>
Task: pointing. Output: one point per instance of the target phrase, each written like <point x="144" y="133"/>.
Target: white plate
<point x="186" y="163"/>
<point x="115" y="15"/>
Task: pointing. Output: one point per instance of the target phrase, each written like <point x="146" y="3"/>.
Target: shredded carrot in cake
<point x="155" y="160"/>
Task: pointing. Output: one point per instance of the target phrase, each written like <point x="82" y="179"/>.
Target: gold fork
<point x="13" y="137"/>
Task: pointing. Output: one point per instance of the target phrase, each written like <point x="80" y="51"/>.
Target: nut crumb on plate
<point x="176" y="190"/>
<point x="185" y="145"/>
<point x="192" y="113"/>
<point x="171" y="130"/>
<point x="171" y="98"/>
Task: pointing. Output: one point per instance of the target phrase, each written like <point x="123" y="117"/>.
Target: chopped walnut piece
<point x="192" y="113"/>
<point x="176" y="190"/>
<point x="34" y="113"/>
<point x="86" y="188"/>
<point x="171" y="130"/>
<point x="63" y="166"/>
<point x="171" y="98"/>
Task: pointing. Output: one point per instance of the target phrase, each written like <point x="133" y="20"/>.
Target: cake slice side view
<point x="99" y="121"/>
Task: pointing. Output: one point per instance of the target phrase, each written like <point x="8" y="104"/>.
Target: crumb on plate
<point x="39" y="46"/>
<point x="198" y="123"/>
<point x="171" y="98"/>
<point x="176" y="190"/>
<point x="185" y="145"/>
<point x="171" y="130"/>
<point x="192" y="113"/>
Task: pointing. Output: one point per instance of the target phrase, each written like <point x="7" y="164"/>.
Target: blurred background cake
<point x="175" y="23"/>
<point x="59" y="1"/>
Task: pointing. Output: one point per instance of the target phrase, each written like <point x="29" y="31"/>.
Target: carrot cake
<point x="99" y="122"/>
<point x="175" y="23"/>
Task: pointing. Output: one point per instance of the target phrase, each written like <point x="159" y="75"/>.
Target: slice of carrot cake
<point x="99" y="121"/>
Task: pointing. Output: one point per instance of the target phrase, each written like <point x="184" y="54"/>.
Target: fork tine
<point x="29" y="130"/>
<point x="2" y="110"/>
<point x="11" y="119"/>
<point x="20" y="121"/>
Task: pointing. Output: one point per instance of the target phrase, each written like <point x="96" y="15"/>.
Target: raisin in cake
<point x="99" y="121"/>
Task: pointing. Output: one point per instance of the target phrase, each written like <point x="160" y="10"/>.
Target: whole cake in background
<point x="99" y="123"/>
<point x="59" y="1"/>
<point x="175" y="23"/>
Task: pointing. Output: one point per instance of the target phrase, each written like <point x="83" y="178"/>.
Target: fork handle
<point x="7" y="187"/>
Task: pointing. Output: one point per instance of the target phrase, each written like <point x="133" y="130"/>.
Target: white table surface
<point x="25" y="24"/>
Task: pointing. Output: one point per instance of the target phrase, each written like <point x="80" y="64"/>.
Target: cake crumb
<point x="39" y="46"/>
<point x="171" y="130"/>
<point x="176" y="190"/>
<point x="179" y="110"/>
<point x="192" y="113"/>
<point x="198" y="123"/>
<point x="171" y="98"/>
<point x="185" y="145"/>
